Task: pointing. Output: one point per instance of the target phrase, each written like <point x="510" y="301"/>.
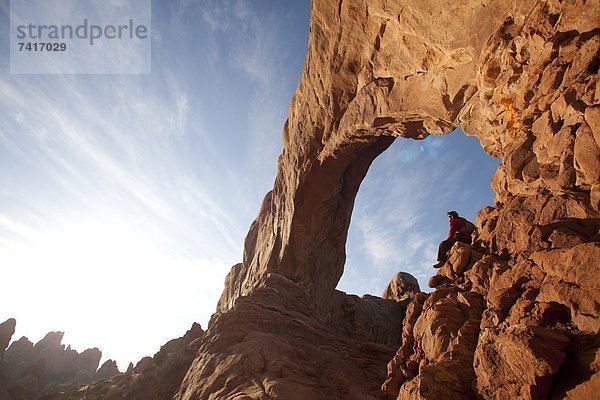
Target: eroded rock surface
<point x="107" y="370"/>
<point x="7" y="329"/>
<point x="511" y="317"/>
<point x="533" y="322"/>
<point x="271" y="345"/>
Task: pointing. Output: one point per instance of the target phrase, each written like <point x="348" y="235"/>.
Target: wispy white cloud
<point x="378" y="242"/>
<point x="20" y="229"/>
<point x="264" y="53"/>
<point x="183" y="107"/>
<point x="54" y="136"/>
<point x="74" y="135"/>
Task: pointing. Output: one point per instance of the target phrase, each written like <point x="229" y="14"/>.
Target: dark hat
<point x="454" y="214"/>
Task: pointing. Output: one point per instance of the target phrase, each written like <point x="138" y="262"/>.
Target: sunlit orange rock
<point x="521" y="76"/>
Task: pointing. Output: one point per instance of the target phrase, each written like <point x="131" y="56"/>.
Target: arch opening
<point x="399" y="214"/>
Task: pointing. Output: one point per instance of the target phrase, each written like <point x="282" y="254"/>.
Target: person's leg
<point x="467" y="240"/>
<point x="443" y="249"/>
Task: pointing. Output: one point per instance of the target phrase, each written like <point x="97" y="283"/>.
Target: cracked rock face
<point x="512" y="317"/>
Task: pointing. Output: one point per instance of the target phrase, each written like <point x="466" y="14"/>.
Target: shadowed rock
<point x="157" y="377"/>
<point x="7" y="329"/>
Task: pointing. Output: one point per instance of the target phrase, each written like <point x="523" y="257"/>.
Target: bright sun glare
<point x="90" y="271"/>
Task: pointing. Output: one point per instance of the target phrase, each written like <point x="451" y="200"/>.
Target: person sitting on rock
<point x="457" y="233"/>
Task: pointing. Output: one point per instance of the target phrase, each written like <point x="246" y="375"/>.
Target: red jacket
<point x="455" y="225"/>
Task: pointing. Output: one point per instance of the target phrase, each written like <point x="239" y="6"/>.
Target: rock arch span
<point x="521" y="76"/>
<point x="378" y="70"/>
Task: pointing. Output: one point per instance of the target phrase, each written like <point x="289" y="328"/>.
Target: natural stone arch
<point x="399" y="215"/>
<point x="522" y="78"/>
<point x="374" y="71"/>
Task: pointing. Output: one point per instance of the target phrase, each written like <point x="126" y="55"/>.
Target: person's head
<point x="452" y="214"/>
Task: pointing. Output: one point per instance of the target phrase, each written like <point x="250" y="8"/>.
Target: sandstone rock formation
<point x="518" y="313"/>
<point x="271" y="345"/>
<point x="107" y="370"/>
<point x="7" y="329"/>
<point x="402" y="287"/>
<point x="48" y="362"/>
<point x="525" y="329"/>
<point x="157" y="377"/>
<point x="27" y="371"/>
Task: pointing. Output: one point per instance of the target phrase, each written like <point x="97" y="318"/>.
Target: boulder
<point x="402" y="286"/>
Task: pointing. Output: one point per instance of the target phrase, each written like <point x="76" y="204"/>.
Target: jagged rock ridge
<point x="157" y="377"/>
<point x="28" y="370"/>
<point x="48" y="371"/>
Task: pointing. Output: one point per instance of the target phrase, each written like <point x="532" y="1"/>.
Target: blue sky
<point x="399" y="216"/>
<point x="125" y="199"/>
